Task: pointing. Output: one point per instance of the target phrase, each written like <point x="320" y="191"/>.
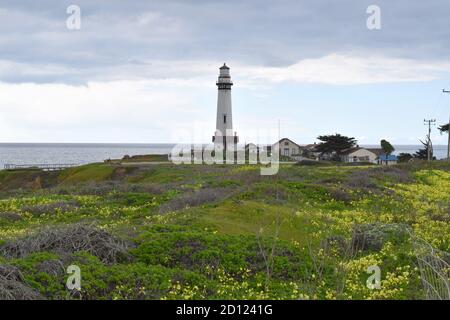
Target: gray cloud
<point x="124" y="38"/>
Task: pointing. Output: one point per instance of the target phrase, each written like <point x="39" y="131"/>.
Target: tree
<point x="387" y="147"/>
<point x="404" y="157"/>
<point x="334" y="143"/>
<point x="423" y="153"/>
<point x="444" y="128"/>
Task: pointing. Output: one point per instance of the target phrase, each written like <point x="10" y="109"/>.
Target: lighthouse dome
<point x="224" y="71"/>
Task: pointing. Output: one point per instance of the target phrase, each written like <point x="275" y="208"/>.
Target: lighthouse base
<point x="225" y="143"/>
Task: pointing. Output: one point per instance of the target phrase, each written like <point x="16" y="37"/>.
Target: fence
<point x="434" y="269"/>
<point x="45" y="166"/>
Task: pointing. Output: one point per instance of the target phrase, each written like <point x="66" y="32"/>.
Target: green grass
<point x="146" y="158"/>
<point x="306" y="216"/>
<point x="248" y="217"/>
<point x="88" y="173"/>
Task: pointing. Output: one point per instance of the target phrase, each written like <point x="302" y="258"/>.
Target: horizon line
<point x="174" y="143"/>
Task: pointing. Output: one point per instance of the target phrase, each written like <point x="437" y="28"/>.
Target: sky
<point x="145" y="71"/>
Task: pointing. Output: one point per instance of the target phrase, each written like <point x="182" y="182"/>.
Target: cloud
<point x="333" y="69"/>
<point x="137" y="69"/>
<point x="118" y="36"/>
<point x="337" y="69"/>
<point x="101" y="111"/>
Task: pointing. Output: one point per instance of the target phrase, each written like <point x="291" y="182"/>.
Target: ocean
<point x="440" y="151"/>
<point x="83" y="153"/>
<point x="74" y="153"/>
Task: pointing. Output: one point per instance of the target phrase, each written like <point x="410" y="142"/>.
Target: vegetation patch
<point x="374" y="236"/>
<point x="161" y="231"/>
<point x="12" y="285"/>
<point x="53" y="207"/>
<point x="195" y="198"/>
<point x="91" y="172"/>
<point x="69" y="239"/>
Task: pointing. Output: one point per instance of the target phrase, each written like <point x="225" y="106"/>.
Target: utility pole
<point x="431" y="122"/>
<point x="448" y="143"/>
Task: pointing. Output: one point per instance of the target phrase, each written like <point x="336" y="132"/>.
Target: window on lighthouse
<point x="224" y="118"/>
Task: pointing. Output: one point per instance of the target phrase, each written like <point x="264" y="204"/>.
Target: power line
<point x="430" y="122"/>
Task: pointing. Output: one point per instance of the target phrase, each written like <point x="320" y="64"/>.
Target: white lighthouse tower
<point x="224" y="138"/>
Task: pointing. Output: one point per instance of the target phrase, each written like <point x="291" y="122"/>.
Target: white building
<point x="287" y="147"/>
<point x="359" y="154"/>
<point x="252" y="148"/>
<point x="310" y="151"/>
<point x="224" y="138"/>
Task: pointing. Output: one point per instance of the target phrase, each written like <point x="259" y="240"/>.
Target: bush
<point x="60" y="206"/>
<point x="195" y="198"/>
<point x="10" y="216"/>
<point x="340" y="195"/>
<point x="393" y="173"/>
<point x="123" y="281"/>
<point x="12" y="285"/>
<point x="70" y="239"/>
<point x="371" y="237"/>
<point x="185" y="248"/>
<point x="361" y="179"/>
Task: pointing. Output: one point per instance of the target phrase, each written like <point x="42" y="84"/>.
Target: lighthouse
<point x="224" y="138"/>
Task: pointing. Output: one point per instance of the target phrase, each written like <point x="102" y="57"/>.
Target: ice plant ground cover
<point x="220" y="232"/>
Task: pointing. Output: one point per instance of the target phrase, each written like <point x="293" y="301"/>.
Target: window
<point x="224" y="118"/>
<point x="286" y="143"/>
<point x="293" y="151"/>
<point x="286" y="152"/>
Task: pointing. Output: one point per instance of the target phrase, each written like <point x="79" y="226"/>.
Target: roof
<point x="390" y="157"/>
<point x="224" y="66"/>
<point x="311" y="146"/>
<point x="377" y="151"/>
<point x="288" y="140"/>
<point x="354" y="149"/>
<point x="350" y="150"/>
